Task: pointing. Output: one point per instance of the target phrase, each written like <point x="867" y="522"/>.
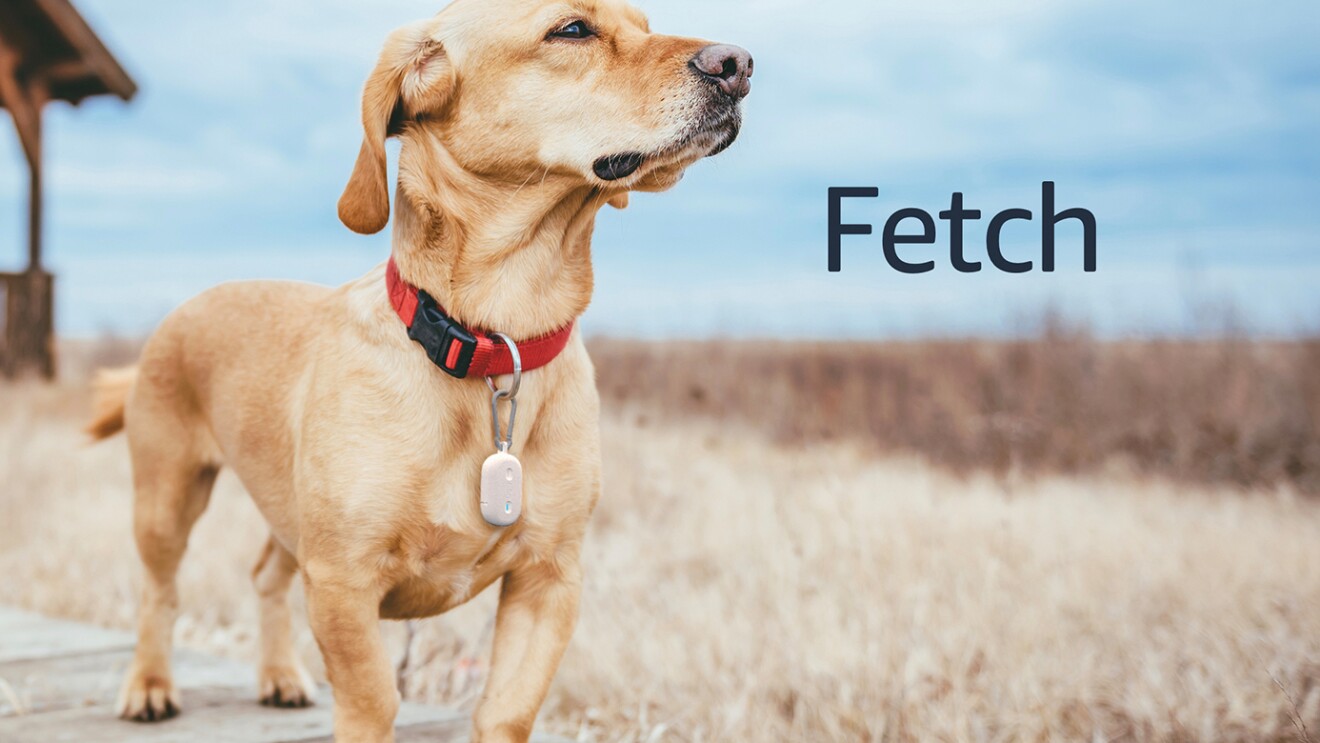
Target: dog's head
<point x="516" y="90"/>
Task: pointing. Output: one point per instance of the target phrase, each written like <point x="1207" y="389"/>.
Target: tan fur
<point x="363" y="457"/>
<point x="111" y="387"/>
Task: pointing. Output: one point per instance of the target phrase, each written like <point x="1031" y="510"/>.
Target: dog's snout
<point x="728" y="66"/>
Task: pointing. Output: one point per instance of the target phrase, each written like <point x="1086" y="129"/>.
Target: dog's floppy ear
<point x="413" y="77"/>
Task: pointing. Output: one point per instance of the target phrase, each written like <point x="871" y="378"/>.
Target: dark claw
<point x="149" y="713"/>
<point x="277" y="699"/>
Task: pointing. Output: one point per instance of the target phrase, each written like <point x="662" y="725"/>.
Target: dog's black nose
<point x="728" y="66"/>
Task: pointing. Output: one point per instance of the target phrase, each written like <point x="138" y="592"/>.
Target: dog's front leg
<point x="537" y="613"/>
<point x="346" y="623"/>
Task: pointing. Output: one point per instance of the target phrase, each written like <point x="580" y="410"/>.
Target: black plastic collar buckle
<point x="449" y="345"/>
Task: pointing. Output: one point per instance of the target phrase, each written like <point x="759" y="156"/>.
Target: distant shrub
<point x="1234" y="410"/>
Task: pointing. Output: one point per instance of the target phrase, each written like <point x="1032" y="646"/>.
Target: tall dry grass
<point x="1230" y="410"/>
<point x="744" y="588"/>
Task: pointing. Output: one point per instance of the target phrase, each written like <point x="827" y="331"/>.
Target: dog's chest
<point x="443" y="568"/>
<point x="448" y="552"/>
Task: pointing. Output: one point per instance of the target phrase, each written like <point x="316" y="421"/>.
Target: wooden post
<point x="29" y="330"/>
<point x="35" y="186"/>
<point x="29" y="300"/>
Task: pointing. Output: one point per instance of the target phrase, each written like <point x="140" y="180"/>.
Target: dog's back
<point x="260" y="325"/>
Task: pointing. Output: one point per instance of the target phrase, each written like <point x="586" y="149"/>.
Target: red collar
<point x="455" y="349"/>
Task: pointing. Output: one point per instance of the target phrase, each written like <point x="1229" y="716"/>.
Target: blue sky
<point x="1188" y="128"/>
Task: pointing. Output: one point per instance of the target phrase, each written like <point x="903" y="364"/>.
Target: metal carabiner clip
<point x="504" y="437"/>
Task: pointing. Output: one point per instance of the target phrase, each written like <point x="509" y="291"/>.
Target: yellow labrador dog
<point x="519" y="120"/>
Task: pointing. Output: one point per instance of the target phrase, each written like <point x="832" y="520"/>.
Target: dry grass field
<point x="1231" y="410"/>
<point x="802" y="570"/>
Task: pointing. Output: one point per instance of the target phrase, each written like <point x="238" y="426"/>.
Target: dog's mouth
<point x="705" y="139"/>
<point x="616" y="167"/>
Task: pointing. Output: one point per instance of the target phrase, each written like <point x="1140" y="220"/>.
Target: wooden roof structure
<point x="47" y="53"/>
<point x="57" y="46"/>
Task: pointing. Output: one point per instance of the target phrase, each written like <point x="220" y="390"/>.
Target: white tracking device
<point x="501" y="474"/>
<point x="501" y="489"/>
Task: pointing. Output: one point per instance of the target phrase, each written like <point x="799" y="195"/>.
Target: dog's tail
<point x="111" y="389"/>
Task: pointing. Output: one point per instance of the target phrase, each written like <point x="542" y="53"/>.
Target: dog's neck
<point x="499" y="256"/>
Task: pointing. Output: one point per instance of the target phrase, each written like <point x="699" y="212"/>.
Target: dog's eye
<point x="574" y="30"/>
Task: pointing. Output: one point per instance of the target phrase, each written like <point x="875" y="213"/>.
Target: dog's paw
<point x="148" y="697"/>
<point x="287" y="686"/>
